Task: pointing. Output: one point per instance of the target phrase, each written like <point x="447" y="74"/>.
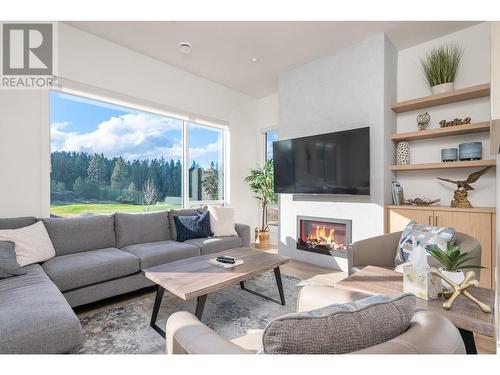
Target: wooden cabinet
<point x="398" y="218"/>
<point x="479" y="223"/>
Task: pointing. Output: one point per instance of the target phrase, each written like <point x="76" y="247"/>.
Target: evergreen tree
<point x="210" y="181"/>
<point x="119" y="177"/>
<point x="133" y="195"/>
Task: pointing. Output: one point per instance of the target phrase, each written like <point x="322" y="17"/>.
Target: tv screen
<point x="333" y="163"/>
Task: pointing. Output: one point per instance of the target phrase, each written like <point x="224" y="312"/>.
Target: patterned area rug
<point x="231" y="313"/>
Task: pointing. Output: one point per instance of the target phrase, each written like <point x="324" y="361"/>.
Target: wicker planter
<point x="261" y="238"/>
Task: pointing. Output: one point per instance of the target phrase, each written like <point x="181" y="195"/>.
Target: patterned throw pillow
<point x="8" y="263"/>
<point x="188" y="227"/>
<point x="425" y="235"/>
<point x="340" y="328"/>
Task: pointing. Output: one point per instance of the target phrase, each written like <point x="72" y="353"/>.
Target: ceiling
<point x="222" y="51"/>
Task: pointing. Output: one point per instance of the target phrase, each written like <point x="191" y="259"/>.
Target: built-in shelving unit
<point x="450" y="164"/>
<point x="459" y="95"/>
<point x="442" y="132"/>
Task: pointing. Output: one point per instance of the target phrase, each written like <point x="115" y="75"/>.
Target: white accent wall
<point x="95" y="65"/>
<point x="474" y="70"/>
<point x="350" y="89"/>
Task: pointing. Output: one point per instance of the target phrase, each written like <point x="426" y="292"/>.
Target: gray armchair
<point x="429" y="332"/>
<point x="381" y="250"/>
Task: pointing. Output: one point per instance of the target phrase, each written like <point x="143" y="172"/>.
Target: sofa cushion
<point x="222" y="221"/>
<point x="17" y="222"/>
<point x="340" y="328"/>
<point x="155" y="253"/>
<point x="8" y="263"/>
<point x="216" y="244"/>
<point x="35" y="317"/>
<point x="32" y="243"/>
<point x="132" y="229"/>
<point x="77" y="234"/>
<point x="81" y="269"/>
<point x="180" y="212"/>
<point x="197" y="226"/>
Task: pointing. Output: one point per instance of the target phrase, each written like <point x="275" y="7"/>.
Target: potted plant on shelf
<point x="453" y="262"/>
<point x="261" y="182"/>
<point x="440" y="67"/>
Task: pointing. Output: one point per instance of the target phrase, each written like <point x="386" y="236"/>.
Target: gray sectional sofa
<point x="96" y="257"/>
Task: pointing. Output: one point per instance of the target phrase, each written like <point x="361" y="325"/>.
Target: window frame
<point x="264" y="156"/>
<point x="197" y="120"/>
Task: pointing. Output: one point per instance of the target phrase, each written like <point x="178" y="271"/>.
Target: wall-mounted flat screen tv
<point x="332" y="163"/>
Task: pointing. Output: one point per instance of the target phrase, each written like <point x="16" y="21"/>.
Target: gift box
<point x="423" y="284"/>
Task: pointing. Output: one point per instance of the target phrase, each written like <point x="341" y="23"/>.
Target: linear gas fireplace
<point x="323" y="235"/>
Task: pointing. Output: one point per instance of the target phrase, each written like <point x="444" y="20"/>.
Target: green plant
<point x="261" y="182"/>
<point x="441" y="64"/>
<point x="452" y="259"/>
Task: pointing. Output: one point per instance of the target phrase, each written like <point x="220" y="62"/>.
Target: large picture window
<point x="108" y="158"/>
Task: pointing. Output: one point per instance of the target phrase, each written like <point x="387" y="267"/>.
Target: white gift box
<point x="423" y="285"/>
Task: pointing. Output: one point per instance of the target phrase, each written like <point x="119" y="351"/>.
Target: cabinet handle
<point x="430" y="219"/>
<point x="435" y="221"/>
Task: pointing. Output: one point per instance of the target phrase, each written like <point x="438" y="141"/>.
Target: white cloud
<point x="132" y="136"/>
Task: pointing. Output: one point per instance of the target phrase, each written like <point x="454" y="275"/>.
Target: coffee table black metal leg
<point x="200" y="305"/>
<point x="277" y="274"/>
<point x="156" y="308"/>
<point x="469" y="342"/>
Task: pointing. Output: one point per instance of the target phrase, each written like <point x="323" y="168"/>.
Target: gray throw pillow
<point x="340" y="328"/>
<point x="8" y="263"/>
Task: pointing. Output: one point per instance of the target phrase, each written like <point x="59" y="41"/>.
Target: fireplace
<point x="323" y="235"/>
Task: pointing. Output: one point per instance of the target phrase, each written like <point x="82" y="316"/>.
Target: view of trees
<point x="82" y="176"/>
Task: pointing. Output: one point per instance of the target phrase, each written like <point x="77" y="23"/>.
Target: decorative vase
<point x="442" y="88"/>
<point x="449" y="154"/>
<point x="261" y="238"/>
<point x="457" y="277"/>
<point x="403" y="153"/>
<point x="470" y="151"/>
<point x="423" y="120"/>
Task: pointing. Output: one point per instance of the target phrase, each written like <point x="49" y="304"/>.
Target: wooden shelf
<point x="459" y="95"/>
<point x="442" y="132"/>
<point x="489" y="210"/>
<point x="451" y="164"/>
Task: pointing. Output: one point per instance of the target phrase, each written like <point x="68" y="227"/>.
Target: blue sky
<point x="271" y="136"/>
<point x="80" y="124"/>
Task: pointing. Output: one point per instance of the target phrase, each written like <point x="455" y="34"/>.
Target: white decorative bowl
<point x="442" y="88"/>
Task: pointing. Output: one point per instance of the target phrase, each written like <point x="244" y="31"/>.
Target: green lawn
<point x="75" y="209"/>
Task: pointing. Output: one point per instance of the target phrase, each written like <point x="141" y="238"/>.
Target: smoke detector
<point x="185" y="48"/>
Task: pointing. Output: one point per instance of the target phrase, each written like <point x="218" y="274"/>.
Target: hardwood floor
<point x="301" y="270"/>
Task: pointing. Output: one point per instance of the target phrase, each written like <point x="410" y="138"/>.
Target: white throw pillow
<point x="222" y="221"/>
<point x="33" y="244"/>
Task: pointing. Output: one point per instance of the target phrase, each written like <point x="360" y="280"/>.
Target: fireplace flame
<point x="321" y="235"/>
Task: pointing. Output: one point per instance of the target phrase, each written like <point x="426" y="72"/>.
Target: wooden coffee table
<point x="196" y="277"/>
<point x="464" y="314"/>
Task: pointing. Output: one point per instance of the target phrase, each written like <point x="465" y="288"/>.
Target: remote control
<point x="226" y="259"/>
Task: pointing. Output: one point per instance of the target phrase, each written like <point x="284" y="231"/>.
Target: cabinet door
<point x="400" y="217"/>
<point x="477" y="225"/>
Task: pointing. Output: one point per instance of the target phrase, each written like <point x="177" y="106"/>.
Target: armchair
<point x="428" y="332"/>
<point x="381" y="250"/>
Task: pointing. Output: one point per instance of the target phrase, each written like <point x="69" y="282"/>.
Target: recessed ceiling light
<point x="254" y="59"/>
<point x="185" y="47"/>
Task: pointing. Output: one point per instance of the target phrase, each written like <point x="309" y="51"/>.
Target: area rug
<point x="231" y="313"/>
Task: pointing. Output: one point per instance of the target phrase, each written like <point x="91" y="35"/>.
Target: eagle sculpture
<point x="464" y="184"/>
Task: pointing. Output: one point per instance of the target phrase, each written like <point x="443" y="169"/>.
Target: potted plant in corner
<point x="261" y="182"/>
<point x="440" y="67"/>
<point x="453" y="262"/>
